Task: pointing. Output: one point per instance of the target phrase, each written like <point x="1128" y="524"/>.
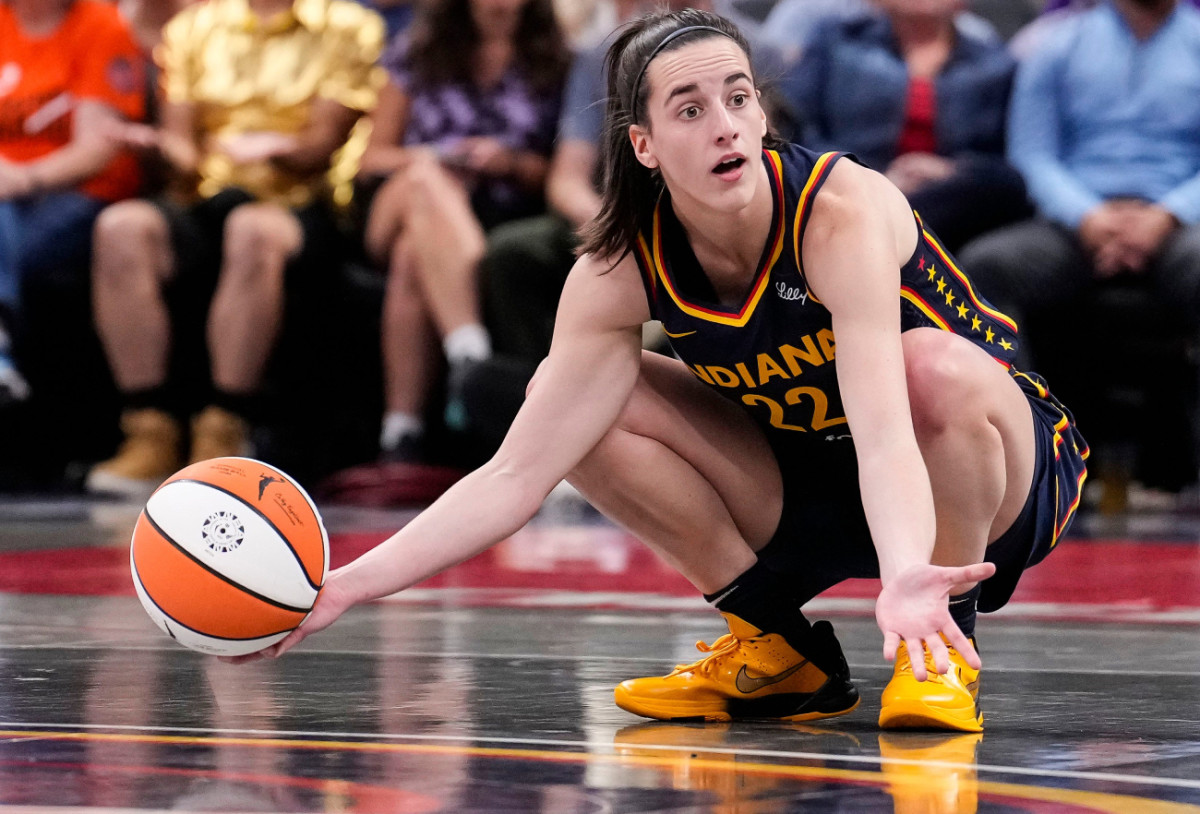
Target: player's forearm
<point x="898" y="502"/>
<point x="485" y="507"/>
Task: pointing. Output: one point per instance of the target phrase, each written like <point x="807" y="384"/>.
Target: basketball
<point x="228" y="556"/>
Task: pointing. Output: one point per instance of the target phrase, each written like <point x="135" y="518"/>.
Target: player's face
<point x="705" y="123"/>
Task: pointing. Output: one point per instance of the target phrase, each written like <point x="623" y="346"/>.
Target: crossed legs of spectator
<point x="422" y="228"/>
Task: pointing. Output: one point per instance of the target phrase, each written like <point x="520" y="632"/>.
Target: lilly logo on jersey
<point x="791" y="293"/>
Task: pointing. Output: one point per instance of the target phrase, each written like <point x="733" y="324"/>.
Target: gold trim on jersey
<point x="814" y="177"/>
<point x="962" y="278"/>
<point x="743" y="316"/>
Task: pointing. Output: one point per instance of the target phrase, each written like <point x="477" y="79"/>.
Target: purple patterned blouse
<point x="513" y="112"/>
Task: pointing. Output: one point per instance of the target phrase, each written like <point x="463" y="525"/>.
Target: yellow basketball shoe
<point x="949" y="701"/>
<point x="747" y="674"/>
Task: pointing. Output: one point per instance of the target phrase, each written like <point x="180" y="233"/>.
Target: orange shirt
<point x="91" y="55"/>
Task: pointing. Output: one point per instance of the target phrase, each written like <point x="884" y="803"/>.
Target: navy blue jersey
<point x="774" y="352"/>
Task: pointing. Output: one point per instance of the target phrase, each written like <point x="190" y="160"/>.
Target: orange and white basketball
<point x="229" y="555"/>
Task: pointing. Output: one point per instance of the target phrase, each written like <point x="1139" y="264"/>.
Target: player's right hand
<point x="332" y="602"/>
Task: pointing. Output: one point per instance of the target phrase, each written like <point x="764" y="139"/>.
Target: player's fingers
<point x="916" y="655"/>
<point x="941" y="656"/>
<point x="977" y="572"/>
<point x="962" y="644"/>
<point x="891" y="643"/>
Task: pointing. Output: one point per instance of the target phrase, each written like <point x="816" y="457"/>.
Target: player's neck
<point x="728" y="245"/>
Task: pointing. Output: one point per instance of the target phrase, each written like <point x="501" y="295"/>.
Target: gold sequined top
<point x="246" y="74"/>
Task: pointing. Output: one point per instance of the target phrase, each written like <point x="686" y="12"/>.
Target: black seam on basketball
<point x="217" y="573"/>
<point x="265" y="519"/>
<point x="166" y="615"/>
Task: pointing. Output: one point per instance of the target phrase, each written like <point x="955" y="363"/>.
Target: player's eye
<point x="690" y="112"/>
<point x="739" y="99"/>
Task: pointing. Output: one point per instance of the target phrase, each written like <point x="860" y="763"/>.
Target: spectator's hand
<point x="332" y="602"/>
<point x="15" y="181"/>
<point x="130" y="134"/>
<point x="1145" y="228"/>
<point x="914" y="607"/>
<point x="912" y="171"/>
<point x="483" y="155"/>
<point x="253" y="147"/>
<point x="1100" y="232"/>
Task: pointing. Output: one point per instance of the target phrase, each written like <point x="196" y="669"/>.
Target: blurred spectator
<point x="461" y="143"/>
<point x="1110" y="149"/>
<point x="258" y="96"/>
<point x="147" y="18"/>
<point x="923" y="100"/>
<point x="69" y="70"/>
<point x="397" y="14"/>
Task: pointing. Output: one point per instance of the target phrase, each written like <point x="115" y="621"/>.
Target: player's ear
<point x="761" y="113"/>
<point x="639" y="137"/>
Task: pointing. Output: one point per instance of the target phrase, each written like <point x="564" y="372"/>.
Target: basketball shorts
<point x="823" y="539"/>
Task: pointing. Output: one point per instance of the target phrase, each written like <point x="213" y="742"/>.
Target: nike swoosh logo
<point x="746" y="684"/>
<point x="678" y="336"/>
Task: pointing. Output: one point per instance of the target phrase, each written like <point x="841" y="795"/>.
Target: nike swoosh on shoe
<point x="745" y="684"/>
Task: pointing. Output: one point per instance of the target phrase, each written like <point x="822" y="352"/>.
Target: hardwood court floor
<point x="489" y="689"/>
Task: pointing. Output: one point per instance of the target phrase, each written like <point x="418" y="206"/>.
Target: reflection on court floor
<point x="489" y="689"/>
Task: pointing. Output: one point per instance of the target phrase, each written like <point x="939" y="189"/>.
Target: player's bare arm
<point x="580" y="390"/>
<point x="862" y="231"/>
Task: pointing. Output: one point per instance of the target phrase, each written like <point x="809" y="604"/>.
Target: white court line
<point x="440" y="654"/>
<point x="607" y="747"/>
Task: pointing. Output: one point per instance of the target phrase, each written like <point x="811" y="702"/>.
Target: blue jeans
<point x="43" y="232"/>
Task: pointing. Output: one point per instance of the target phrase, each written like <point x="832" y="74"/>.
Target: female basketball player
<point x="909" y="449"/>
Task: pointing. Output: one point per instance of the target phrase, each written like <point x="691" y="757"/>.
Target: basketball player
<point x="771" y="462"/>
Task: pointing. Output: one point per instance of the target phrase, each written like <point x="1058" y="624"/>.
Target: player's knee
<point x="940" y="380"/>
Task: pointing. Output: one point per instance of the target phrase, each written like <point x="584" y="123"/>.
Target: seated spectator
<point x="923" y="100"/>
<point x="258" y="96"/>
<point x="1112" y="159"/>
<point x="461" y="142"/>
<point x="70" y="70"/>
<point x="1110" y="149"/>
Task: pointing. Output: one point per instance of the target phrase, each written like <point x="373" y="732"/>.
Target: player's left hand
<point x="914" y="607"/>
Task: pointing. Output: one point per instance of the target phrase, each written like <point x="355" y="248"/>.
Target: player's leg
<point x="245" y="320"/>
<point x="976" y="433"/>
<point x="688" y="473"/>
<point x="132" y="259"/>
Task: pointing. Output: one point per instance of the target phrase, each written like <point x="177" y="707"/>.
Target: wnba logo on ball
<point x="222" y="532"/>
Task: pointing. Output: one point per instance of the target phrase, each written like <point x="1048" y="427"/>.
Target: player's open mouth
<point x="729" y="165"/>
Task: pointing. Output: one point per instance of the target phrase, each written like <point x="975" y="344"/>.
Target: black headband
<point x="676" y="34"/>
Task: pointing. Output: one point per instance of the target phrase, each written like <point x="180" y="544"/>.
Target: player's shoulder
<point x="856" y="197"/>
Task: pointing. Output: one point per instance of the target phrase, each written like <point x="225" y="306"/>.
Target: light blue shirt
<point x="1097" y="114"/>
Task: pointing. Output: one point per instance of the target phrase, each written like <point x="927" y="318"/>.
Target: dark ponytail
<point x="629" y="187"/>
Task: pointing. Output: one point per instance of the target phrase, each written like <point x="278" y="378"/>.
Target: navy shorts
<point x="823" y="539"/>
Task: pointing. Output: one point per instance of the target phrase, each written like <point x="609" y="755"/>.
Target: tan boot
<point x="148" y="455"/>
<point x="218" y="433"/>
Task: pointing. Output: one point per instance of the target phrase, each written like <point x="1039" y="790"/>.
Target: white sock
<point x="470" y="342"/>
<point x="397" y="426"/>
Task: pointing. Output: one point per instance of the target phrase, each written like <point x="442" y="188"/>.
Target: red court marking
<point x="1154" y="576"/>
